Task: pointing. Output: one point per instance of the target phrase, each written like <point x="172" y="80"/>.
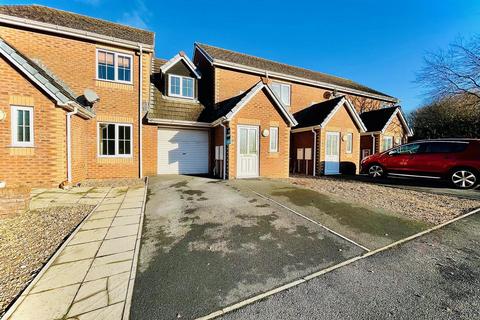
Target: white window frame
<point x="116" y="155"/>
<point x="15" y="142"/>
<point x="171" y="94"/>
<point x="384" y="139"/>
<point x="349" y="143"/>
<point x="284" y="85"/>
<point x="272" y="129"/>
<point x="115" y="63"/>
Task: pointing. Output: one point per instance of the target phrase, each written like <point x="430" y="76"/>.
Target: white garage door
<point x="182" y="151"/>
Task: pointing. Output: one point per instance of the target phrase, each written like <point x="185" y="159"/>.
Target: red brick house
<point x="51" y="62"/>
<point x="386" y="128"/>
<point x="84" y="98"/>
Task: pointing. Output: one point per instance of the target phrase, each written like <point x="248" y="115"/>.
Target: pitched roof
<point x="76" y="21"/>
<point x="223" y="55"/>
<point x="319" y="114"/>
<point x="44" y="78"/>
<point x="378" y="120"/>
<point x="165" y="108"/>
<point x="316" y="113"/>
<point x="230" y="108"/>
<point x="181" y="56"/>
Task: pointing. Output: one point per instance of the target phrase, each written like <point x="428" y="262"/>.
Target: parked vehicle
<point x="456" y="160"/>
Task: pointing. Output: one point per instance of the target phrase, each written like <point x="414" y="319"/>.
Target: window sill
<point x="21" y="146"/>
<point x="115" y="81"/>
<point x="181" y="99"/>
<point x="114" y="160"/>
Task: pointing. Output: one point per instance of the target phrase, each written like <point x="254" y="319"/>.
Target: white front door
<point x="247" y="151"/>
<point x="332" y="153"/>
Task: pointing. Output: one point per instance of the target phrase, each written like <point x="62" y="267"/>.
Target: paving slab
<point x="89" y="277"/>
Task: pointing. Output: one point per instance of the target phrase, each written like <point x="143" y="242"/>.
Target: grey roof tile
<point x="263" y="64"/>
<point x="79" y="22"/>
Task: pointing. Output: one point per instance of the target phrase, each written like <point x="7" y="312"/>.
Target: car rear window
<point x="445" y="147"/>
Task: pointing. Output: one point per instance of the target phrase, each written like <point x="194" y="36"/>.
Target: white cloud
<point x="138" y="17"/>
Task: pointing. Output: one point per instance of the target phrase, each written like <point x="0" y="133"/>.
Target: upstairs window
<point x="113" y="66"/>
<point x="180" y="86"/>
<point x="282" y="91"/>
<point x="115" y="140"/>
<point x="22" y="126"/>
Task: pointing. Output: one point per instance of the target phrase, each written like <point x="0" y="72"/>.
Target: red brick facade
<point x="74" y="62"/>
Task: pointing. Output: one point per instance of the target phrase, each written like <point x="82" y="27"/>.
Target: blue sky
<point x="378" y="43"/>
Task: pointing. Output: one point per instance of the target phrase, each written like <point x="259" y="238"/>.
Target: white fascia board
<point x="180" y="123"/>
<point x="257" y="88"/>
<point x="206" y="55"/>
<point x="351" y="110"/>
<point x="187" y="61"/>
<point x="306" y="129"/>
<point x="282" y="76"/>
<point x="42" y="26"/>
<point x="402" y="119"/>
<point x="244" y="101"/>
<point x="286" y="113"/>
<point x="69" y="105"/>
<point x="369" y="133"/>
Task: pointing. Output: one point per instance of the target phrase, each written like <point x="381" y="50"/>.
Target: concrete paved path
<point x="436" y="276"/>
<point x="91" y="276"/>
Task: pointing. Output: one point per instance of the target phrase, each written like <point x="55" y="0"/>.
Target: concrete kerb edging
<point x="329" y="269"/>
<point x="44" y="269"/>
<point x="133" y="271"/>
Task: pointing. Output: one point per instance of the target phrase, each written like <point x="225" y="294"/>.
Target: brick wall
<point x="45" y="163"/>
<point x="74" y="61"/>
<point x="343" y="123"/>
<point x="150" y="144"/>
<point x="230" y="83"/>
<point x="260" y="111"/>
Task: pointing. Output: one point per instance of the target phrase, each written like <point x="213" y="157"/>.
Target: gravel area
<point x="28" y="240"/>
<point x="112" y="183"/>
<point x="429" y="207"/>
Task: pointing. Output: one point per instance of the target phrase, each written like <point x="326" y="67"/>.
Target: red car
<point x="456" y="160"/>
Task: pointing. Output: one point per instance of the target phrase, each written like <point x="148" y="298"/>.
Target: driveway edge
<point x="133" y="270"/>
<point x="295" y="283"/>
<point x="45" y="267"/>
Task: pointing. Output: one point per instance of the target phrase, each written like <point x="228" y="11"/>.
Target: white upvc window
<point x="22" y="126"/>
<point x="387" y="143"/>
<point x="180" y="86"/>
<point x="115" y="140"/>
<point x="114" y="66"/>
<point x="273" y="139"/>
<point x="349" y="143"/>
<point x="282" y="91"/>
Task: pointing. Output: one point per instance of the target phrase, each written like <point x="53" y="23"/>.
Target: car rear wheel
<point x="376" y="171"/>
<point x="464" y="178"/>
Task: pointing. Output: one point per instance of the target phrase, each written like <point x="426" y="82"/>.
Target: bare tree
<point x="453" y="72"/>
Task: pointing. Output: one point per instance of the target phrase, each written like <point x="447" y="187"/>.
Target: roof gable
<point x="318" y="115"/>
<point x="379" y="120"/>
<point x="73" y="21"/>
<point x="181" y="56"/>
<point x="48" y="82"/>
<point x="236" y="60"/>
<point x="231" y="109"/>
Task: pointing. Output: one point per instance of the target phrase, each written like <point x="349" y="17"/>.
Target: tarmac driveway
<point x="207" y="244"/>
